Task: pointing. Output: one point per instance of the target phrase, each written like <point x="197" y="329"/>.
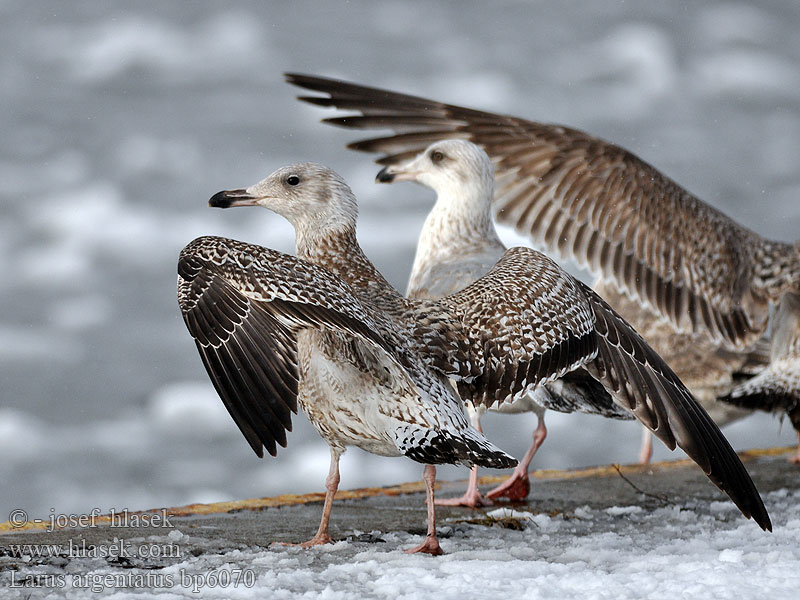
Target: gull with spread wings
<point x="369" y="367"/>
<point x="726" y="295"/>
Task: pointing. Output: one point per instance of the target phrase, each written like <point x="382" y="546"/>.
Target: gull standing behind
<point x="457" y="245"/>
<point x="267" y="334"/>
<point x="582" y="198"/>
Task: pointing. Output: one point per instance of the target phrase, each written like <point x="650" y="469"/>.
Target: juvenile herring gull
<point x="259" y="322"/>
<point x="457" y="245"/>
<point x="275" y="331"/>
<point x="641" y="233"/>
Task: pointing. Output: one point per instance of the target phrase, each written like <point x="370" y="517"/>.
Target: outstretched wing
<point x="527" y="322"/>
<point x="585" y="199"/>
<point x="640" y="380"/>
<point x="244" y="305"/>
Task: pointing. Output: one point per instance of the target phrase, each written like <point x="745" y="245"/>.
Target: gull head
<point x="308" y="195"/>
<point x="448" y="165"/>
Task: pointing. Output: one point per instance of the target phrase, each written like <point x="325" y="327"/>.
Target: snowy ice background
<point x="120" y="121"/>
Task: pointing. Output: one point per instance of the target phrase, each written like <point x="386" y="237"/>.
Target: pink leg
<point x="796" y="458"/>
<point x="431" y="543"/>
<point x="472" y="497"/>
<point x="331" y="485"/>
<point x="518" y="486"/>
<point x="646" y="449"/>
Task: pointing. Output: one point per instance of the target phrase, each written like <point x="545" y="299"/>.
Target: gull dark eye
<point x="292" y="180"/>
<point x="437" y="156"/>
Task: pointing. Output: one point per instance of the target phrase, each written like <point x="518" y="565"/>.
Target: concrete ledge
<point x="605" y="484"/>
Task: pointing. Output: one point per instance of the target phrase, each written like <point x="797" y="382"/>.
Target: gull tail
<point x="776" y="388"/>
<point x="439" y="446"/>
<point x="578" y="391"/>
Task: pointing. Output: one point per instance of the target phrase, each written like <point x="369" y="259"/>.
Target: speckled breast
<point x="342" y="386"/>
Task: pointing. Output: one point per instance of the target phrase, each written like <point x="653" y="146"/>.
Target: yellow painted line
<point x="228" y="507"/>
<point x="609" y="470"/>
<point x="396" y="490"/>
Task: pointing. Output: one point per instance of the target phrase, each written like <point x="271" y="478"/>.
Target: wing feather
<point x="639" y="379"/>
<point x="527" y="313"/>
<point x="524" y="321"/>
<point x="628" y="222"/>
<point x="244" y="305"/>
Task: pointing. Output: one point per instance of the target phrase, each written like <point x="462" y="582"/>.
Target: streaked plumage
<point x="526" y="322"/>
<point x="275" y="331"/>
<point x="775" y="387"/>
<point x="457" y="245"/>
<point x="598" y="204"/>
<point x="264" y="321"/>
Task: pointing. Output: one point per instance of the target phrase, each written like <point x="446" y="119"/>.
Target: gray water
<point x="120" y="121"/>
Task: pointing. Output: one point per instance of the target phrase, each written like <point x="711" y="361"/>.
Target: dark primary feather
<point x="248" y="354"/>
<point x="585" y="199"/>
<point x="244" y="305"/>
<point x="644" y="383"/>
<point x="526" y="322"/>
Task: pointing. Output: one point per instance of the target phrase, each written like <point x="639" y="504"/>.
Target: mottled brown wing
<point x="528" y="322"/>
<point x="524" y="323"/>
<point x="584" y="199"/>
<point x="641" y="381"/>
<point x="244" y="306"/>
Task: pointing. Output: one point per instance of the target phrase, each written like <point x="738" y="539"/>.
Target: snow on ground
<point x="617" y="552"/>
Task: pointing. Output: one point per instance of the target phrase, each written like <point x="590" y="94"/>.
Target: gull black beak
<point x="229" y="198"/>
<point x="384" y="176"/>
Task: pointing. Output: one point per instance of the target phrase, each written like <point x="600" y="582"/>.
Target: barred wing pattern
<point x="585" y="199"/>
<point x="243" y="305"/>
